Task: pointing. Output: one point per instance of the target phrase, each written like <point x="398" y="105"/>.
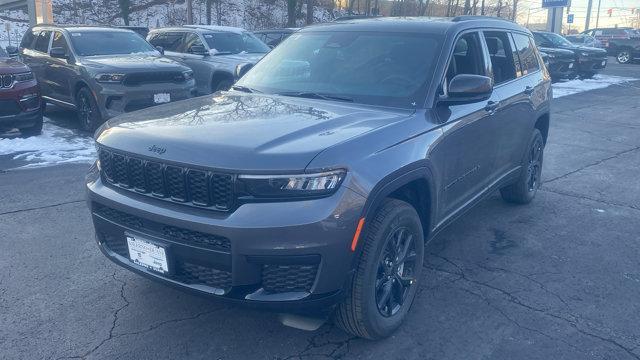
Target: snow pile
<point x="577" y="86"/>
<point x="56" y="145"/>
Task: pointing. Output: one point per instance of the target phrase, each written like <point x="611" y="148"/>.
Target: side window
<point x="526" y="54"/>
<point x="272" y="38"/>
<point x="467" y="57"/>
<point x="502" y="56"/>
<point x="27" y="40"/>
<point x="190" y="40"/>
<point x="59" y="42"/>
<point x="170" y="41"/>
<point x="42" y="41"/>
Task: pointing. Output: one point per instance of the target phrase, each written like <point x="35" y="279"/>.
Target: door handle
<point x="528" y="90"/>
<point x="491" y="106"/>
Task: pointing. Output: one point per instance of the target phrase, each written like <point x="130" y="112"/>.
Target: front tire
<point x="88" y="112"/>
<point x="527" y="185"/>
<point x="387" y="275"/>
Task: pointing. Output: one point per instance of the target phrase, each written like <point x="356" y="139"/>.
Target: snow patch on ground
<point x="599" y="81"/>
<point x="56" y="145"/>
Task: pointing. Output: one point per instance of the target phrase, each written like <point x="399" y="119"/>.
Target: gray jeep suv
<point x="213" y="52"/>
<point x="318" y="179"/>
<point x="102" y="72"/>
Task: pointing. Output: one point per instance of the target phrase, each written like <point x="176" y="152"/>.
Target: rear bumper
<point x="279" y="256"/>
<point x="116" y="99"/>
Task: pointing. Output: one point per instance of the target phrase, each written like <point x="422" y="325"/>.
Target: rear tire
<point x="525" y="188"/>
<point x="385" y="282"/>
<point x="623" y="56"/>
<point x="88" y="112"/>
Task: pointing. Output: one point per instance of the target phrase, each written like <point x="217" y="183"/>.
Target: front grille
<point x="9" y="107"/>
<point x="171" y="233"/>
<point x="142" y="78"/>
<point x="169" y="182"/>
<point x="278" y="278"/>
<point x="6" y="81"/>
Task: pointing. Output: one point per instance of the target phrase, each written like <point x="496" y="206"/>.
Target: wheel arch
<point x="218" y="76"/>
<point x="76" y="88"/>
<point x="542" y="124"/>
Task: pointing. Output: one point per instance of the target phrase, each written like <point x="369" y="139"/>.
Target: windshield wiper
<point x="245" y="89"/>
<point x="223" y="53"/>
<point x="313" y="95"/>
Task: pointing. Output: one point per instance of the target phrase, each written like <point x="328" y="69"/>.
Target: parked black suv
<point x="102" y="71"/>
<point x="319" y="177"/>
<point x="589" y="61"/>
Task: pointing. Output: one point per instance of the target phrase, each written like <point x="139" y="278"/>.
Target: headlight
<point x="188" y="75"/>
<point x="25" y="76"/>
<point x="291" y="186"/>
<point x="109" y="78"/>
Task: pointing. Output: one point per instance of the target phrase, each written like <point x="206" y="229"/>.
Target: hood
<point x="12" y="66"/>
<point x="131" y="62"/>
<point x="241" y="57"/>
<point x="243" y="132"/>
<point x="557" y="52"/>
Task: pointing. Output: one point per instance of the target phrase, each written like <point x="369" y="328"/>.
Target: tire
<point x="623" y="56"/>
<point x="359" y="313"/>
<point x="88" y="112"/>
<point x="36" y="129"/>
<point x="525" y="188"/>
<point x="222" y="85"/>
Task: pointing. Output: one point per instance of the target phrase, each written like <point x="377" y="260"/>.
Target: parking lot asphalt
<point x="556" y="279"/>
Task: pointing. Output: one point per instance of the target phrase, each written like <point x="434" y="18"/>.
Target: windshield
<point x="92" y="43"/>
<point x="3" y="54"/>
<point x="234" y="43"/>
<point x="390" y="69"/>
<point x="557" y="40"/>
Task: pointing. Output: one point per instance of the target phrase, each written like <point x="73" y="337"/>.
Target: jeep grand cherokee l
<point x="20" y="106"/>
<point x="318" y="178"/>
<point x="212" y="52"/>
<point x="102" y="72"/>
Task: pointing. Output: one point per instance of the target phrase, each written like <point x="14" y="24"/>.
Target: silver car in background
<point x="212" y="52"/>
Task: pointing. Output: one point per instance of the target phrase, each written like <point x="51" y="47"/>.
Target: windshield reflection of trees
<point x="224" y="109"/>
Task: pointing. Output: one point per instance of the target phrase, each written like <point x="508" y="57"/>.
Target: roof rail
<point x="478" y="17"/>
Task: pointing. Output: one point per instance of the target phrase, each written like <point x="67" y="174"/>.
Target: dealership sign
<point x="554" y="3"/>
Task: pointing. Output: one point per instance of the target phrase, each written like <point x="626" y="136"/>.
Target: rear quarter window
<point x="526" y="54"/>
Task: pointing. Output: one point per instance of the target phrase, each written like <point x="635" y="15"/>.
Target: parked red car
<point x="20" y="104"/>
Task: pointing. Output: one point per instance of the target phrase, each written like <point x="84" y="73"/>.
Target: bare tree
<point x="291" y="13"/>
<point x="467" y="7"/>
<point x="309" y="12"/>
<point x="125" y="9"/>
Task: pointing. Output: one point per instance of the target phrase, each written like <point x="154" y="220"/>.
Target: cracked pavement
<point x="558" y="279"/>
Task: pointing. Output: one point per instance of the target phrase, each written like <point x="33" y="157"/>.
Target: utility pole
<point x="515" y="10"/>
<point x="482" y="8"/>
<point x="586" y="22"/>
<point x="598" y="15"/>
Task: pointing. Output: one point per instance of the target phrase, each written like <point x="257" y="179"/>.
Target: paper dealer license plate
<point x="161" y="98"/>
<point x="147" y="254"/>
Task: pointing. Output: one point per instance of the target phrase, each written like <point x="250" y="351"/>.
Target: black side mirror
<point x="160" y="50"/>
<point x="242" y="69"/>
<point x="467" y="88"/>
<point x="12" y="50"/>
<point x="58" y="52"/>
<point x="198" y="50"/>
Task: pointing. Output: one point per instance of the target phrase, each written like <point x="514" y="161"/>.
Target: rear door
<point x="38" y="59"/>
<point x="511" y="95"/>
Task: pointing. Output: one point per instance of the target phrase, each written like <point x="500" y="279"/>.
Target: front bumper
<point x="588" y="65"/>
<point x="562" y="68"/>
<point x="283" y="256"/>
<point x="115" y="99"/>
